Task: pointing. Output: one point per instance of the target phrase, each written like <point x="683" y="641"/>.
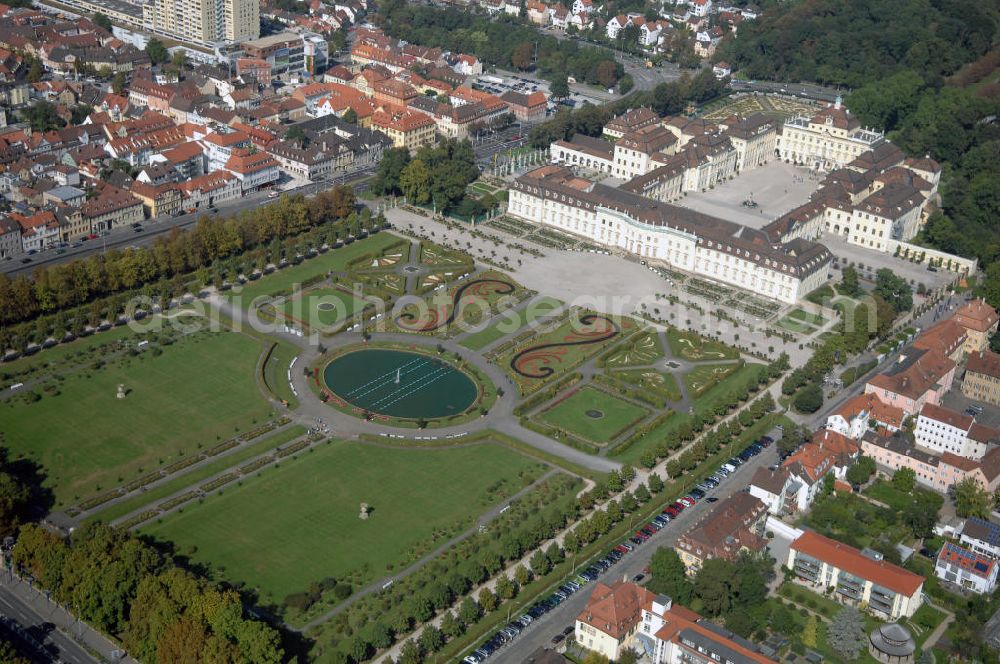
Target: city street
<point x="43" y="626"/>
<point x="540" y="632"/>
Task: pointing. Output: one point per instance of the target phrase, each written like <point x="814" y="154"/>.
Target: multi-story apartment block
<point x="733" y="526"/>
<point x="609" y="622"/>
<point x="942" y="430"/>
<point x="204" y="21"/>
<point x="678" y="635"/>
<point x="938" y="472"/>
<point x="919" y="377"/>
<point x="887" y="591"/>
<point x="407" y="129"/>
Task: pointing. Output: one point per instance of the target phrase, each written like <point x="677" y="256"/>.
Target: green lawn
<point x="200" y="389"/>
<point x="694" y="347"/>
<point x="700" y="379"/>
<point x="807" y="317"/>
<point x="292" y="525"/>
<point x="613" y="415"/>
<point x="324" y="306"/>
<point x="795" y="326"/>
<point x="658" y="382"/>
<point x="511" y="321"/>
<point x="335" y="259"/>
<point x="184" y="480"/>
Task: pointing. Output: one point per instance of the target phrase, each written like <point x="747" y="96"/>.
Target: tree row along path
<point x="641" y="477"/>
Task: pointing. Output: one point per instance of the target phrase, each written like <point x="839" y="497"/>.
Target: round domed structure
<point x="892" y="643"/>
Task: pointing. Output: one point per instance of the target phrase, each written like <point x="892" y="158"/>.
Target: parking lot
<point x="549" y="621"/>
<point x="875" y="260"/>
<point x="775" y="188"/>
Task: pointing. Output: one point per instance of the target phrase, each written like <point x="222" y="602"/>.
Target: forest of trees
<point x="126" y="588"/>
<point x="854" y="43"/>
<point x="501" y="41"/>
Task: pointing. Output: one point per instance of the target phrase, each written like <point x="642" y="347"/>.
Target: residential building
<point x="39" y="231"/>
<point x="919" y="377"/>
<point x="407" y="129"/>
<point x="673" y="634"/>
<point x="967" y="569"/>
<point x="218" y="148"/>
<point x="204" y="22"/>
<point x="863" y="412"/>
<point x="609" y="622"/>
<point x="526" y="107"/>
<point x="887" y="591"/>
<point x="981" y="536"/>
<point x="10" y="238"/>
<point x="112" y="208"/>
<point x="315" y="161"/>
<point x="775" y="488"/>
<point x="830" y="139"/>
<point x="210" y="190"/>
<point x="682" y="238"/>
<point x="158" y="199"/>
<point x="253" y="169"/>
<point x="942" y="430"/>
<point x="980" y="321"/>
<point x="733" y="526"/>
<point x="938" y="472"/>
<point x="828" y="452"/>
<point x="982" y="377"/>
<point x="947" y="336"/>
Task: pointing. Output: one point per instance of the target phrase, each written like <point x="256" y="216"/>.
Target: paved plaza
<point x="776" y="187"/>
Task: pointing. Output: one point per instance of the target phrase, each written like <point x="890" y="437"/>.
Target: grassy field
<point x="335" y="259"/>
<point x="171" y="486"/>
<point x="694" y="347"/>
<point x="322" y="306"/>
<point x="298" y="523"/>
<point x="613" y="415"/>
<point x="198" y="390"/>
<point x="510" y="322"/>
<point x="700" y="379"/>
<point x="658" y="382"/>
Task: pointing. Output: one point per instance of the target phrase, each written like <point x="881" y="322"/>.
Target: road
<point x="540" y="632"/>
<point x="42" y="626"/>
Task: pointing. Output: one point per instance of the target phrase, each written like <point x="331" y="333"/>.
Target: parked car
<point x="557" y="639"/>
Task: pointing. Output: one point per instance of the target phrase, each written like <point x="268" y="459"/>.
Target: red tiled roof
<point x="915" y="377"/>
<point x="984" y="362"/>
<point x="616" y="609"/>
<point x="849" y="559"/>
<point x="976" y="315"/>
<point x="946" y="415"/>
<point x="875" y="407"/>
<point x="946" y="336"/>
